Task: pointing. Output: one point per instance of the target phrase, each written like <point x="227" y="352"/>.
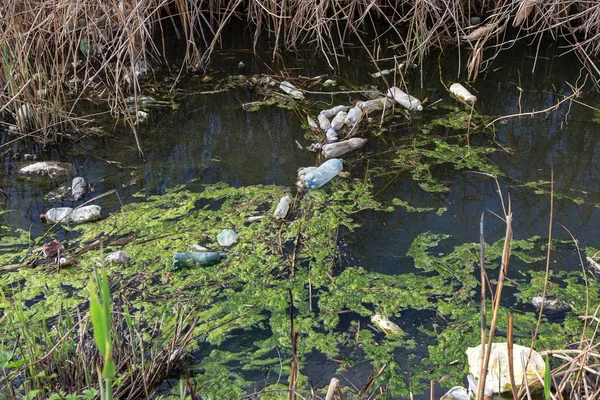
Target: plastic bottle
<point x="323" y="174"/>
<point x="324" y="123"/>
<point x="405" y="100"/>
<point x="58" y="214"/>
<point x="371" y="106"/>
<point x="338" y="121"/>
<point x="337" y="149"/>
<point x="86" y="213"/>
<point x="282" y="208"/>
<point x="462" y="93"/>
<point x="197" y="257"/>
<point x="334" y="111"/>
<point x="354" y="115"/>
<point x="332" y="135"/>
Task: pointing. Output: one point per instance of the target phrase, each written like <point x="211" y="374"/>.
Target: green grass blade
<point x="547" y="380"/>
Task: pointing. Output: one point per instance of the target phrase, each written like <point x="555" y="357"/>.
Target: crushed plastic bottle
<point x="323" y="174"/>
<point x="86" y="213"/>
<point x="324" y="123"/>
<point x="337" y="149"/>
<point x="354" y="115"/>
<point x="79" y="188"/>
<point x="227" y="237"/>
<point x="405" y="100"/>
<point x="197" y="257"/>
<point x="334" y="111"/>
<point x="291" y="90"/>
<point x="282" y="208"/>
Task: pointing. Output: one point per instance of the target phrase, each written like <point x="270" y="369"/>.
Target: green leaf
<point x="100" y="331"/>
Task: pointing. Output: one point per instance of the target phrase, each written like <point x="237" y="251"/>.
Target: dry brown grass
<point x="56" y="52"/>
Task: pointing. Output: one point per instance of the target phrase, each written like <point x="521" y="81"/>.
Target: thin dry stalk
<point x="496" y="300"/>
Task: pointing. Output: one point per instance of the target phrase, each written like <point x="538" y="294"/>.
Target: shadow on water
<point x="209" y="138"/>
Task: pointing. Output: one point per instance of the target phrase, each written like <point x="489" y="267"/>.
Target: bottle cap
<point x="223" y="255"/>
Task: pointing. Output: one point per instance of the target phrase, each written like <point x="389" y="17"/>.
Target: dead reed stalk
<point x="56" y="53"/>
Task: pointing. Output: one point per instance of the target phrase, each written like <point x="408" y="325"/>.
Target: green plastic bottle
<point x="197" y="257"/>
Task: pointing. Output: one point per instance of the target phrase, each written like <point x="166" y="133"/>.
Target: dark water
<point x="210" y="138"/>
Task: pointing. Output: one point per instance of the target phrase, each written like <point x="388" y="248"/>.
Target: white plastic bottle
<point x="58" y="214"/>
<point x="282" y="208"/>
<point x="323" y="174"/>
<point x="333" y="111"/>
<point x="354" y="115"/>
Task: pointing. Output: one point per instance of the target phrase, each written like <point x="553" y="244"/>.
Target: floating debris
<point x="283" y="207"/>
<point x="290" y="89"/>
<point x="52" y="169"/>
<point x="334" y="111"/>
<point x="405" y="100"/>
<point x="312" y="124"/>
<point x="334" y="150"/>
<point x="201" y="257"/>
<point x="387" y="326"/>
<point x="52" y="248"/>
<point x="227" y="237"/>
<point x="68" y="214"/>
<point x="551" y="303"/>
<point x="324" y="123"/>
<point x="79" y="188"/>
<point x="457" y="393"/>
<point x="118" y="257"/>
<point x="497" y="378"/>
<point x="462" y="93"/>
<point x="59" y="194"/>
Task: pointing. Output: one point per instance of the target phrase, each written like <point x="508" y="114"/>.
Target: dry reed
<point x="54" y="53"/>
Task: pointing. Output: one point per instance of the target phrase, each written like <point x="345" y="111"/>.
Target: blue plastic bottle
<point x="323" y="174"/>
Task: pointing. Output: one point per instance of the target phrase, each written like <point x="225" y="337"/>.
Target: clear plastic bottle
<point x="197" y="257"/>
<point x="404" y="99"/>
<point x="337" y="149"/>
<point x="323" y="174"/>
<point x="58" y="214"/>
<point x="354" y="115"/>
<point x="338" y="121"/>
<point x="331" y="135"/>
<point x="282" y="208"/>
<point x="333" y="111"/>
<point x="86" y="213"/>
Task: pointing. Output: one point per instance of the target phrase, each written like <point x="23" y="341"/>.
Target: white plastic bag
<point x="498" y="378"/>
